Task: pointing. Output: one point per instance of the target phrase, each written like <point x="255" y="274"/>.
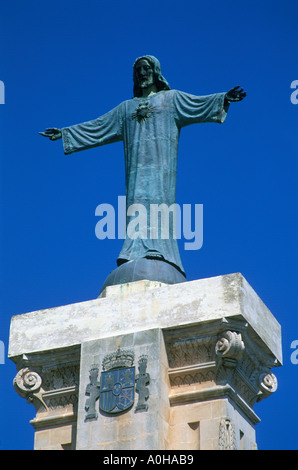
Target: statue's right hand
<point x="52" y="133"/>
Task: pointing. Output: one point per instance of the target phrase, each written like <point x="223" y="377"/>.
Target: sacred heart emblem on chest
<point x="143" y="111"/>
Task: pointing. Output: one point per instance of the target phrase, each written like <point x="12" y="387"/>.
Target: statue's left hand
<point x="235" y="94"/>
<point x="52" y="133"/>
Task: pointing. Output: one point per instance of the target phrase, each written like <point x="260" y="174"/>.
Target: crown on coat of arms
<point x="118" y="359"/>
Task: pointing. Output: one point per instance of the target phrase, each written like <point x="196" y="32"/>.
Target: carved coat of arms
<point x="116" y="388"/>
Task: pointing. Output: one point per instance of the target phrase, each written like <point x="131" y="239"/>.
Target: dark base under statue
<point x="143" y="268"/>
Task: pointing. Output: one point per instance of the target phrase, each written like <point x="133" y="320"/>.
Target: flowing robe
<point x="150" y="139"/>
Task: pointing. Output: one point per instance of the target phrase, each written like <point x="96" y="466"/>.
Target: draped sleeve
<point x="101" y="131"/>
<point x="191" y="109"/>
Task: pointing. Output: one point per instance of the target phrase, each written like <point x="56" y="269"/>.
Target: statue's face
<point x="144" y="73"/>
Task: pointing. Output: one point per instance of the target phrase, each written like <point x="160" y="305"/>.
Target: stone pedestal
<point x="149" y="366"/>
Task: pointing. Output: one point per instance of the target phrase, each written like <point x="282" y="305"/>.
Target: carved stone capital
<point x="27" y="384"/>
<point x="229" y="347"/>
<point x="267" y="384"/>
<point x="49" y="381"/>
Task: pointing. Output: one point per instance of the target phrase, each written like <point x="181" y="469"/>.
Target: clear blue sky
<point x="66" y="62"/>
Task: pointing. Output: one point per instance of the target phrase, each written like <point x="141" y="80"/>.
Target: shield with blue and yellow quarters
<point x="117" y="389"/>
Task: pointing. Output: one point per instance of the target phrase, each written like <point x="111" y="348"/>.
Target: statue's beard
<point x="146" y="82"/>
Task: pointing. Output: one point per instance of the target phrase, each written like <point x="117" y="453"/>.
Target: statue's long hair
<point x="160" y="82"/>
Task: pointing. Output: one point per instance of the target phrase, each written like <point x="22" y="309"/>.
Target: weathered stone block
<point x="210" y="346"/>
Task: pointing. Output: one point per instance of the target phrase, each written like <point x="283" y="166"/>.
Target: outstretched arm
<point x="103" y="130"/>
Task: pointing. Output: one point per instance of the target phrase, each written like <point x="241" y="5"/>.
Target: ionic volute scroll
<point x="27" y="384"/>
<point x="267" y="382"/>
<point x="229" y="348"/>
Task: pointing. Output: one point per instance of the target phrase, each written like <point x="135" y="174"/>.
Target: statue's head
<point x="151" y="74"/>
